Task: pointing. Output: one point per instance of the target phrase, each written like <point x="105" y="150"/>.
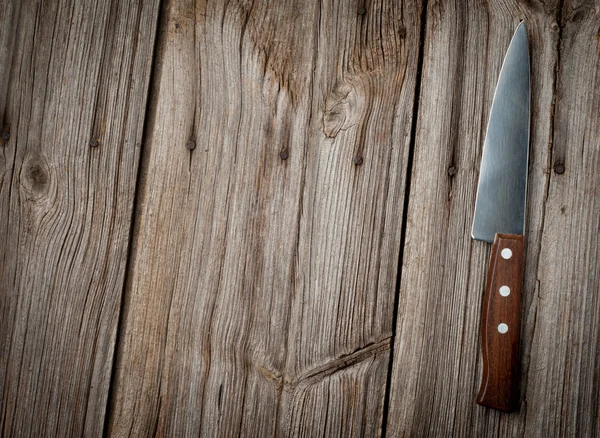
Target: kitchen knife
<point x="500" y="219"/>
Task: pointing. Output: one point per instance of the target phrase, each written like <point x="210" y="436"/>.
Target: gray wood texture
<point x="246" y="279"/>
<point x="265" y="257"/>
<point x="73" y="85"/>
<point x="436" y="370"/>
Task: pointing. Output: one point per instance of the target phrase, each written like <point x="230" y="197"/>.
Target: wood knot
<point x="559" y="168"/>
<point x="578" y="15"/>
<point x="343" y="109"/>
<point x="402" y="32"/>
<point x="35" y="178"/>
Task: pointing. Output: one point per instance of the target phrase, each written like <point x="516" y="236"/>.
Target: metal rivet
<point x="5" y="135"/>
<point x="559" y="168"/>
<point x="283" y="155"/>
<point x="94" y="143"/>
<point x="361" y="10"/>
<point x="358" y="160"/>
<point x="191" y="145"/>
<point x="452" y="171"/>
<point x="502" y="328"/>
<point x="505" y="291"/>
<point x="506" y="253"/>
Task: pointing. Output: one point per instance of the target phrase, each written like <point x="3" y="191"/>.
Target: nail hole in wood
<point x="559" y="168"/>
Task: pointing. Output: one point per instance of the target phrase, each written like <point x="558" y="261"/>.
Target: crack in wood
<point x="325" y="370"/>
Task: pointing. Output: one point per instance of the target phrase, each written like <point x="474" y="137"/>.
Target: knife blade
<point x="499" y="218"/>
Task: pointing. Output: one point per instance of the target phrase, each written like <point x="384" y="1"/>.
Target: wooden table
<point x="253" y="218"/>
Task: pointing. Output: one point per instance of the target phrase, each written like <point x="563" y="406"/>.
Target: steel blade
<point x="500" y="202"/>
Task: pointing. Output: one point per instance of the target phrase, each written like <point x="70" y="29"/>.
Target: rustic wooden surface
<point x="265" y="258"/>
<point x="294" y="154"/>
<point x="436" y="370"/>
<point x="72" y="104"/>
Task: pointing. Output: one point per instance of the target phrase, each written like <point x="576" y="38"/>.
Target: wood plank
<point x="563" y="379"/>
<point x="265" y="256"/>
<point x="436" y="371"/>
<point x="74" y="78"/>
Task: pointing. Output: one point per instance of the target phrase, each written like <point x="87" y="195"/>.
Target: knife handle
<point x="501" y="324"/>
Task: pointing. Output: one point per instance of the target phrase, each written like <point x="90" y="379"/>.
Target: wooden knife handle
<point x="501" y="324"/>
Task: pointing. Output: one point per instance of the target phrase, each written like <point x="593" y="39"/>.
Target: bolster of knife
<point x="500" y="324"/>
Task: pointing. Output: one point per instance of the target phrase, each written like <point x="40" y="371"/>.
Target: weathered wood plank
<point x="265" y="258"/>
<point x="74" y="78"/>
<point x="437" y="360"/>
<point x="563" y="383"/>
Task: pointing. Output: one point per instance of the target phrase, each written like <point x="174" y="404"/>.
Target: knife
<point x="500" y="219"/>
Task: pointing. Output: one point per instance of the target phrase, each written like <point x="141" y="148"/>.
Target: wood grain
<point x="500" y="350"/>
<point x="259" y="299"/>
<point x="264" y="263"/>
<point x="564" y="370"/>
<point x="436" y="359"/>
<point x="73" y="86"/>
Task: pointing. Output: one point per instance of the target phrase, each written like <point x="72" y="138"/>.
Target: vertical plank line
<point x="149" y="117"/>
<point x="409" y="170"/>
